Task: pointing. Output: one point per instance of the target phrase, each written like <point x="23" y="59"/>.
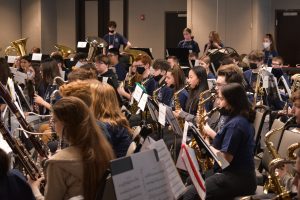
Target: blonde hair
<point x="105" y="105"/>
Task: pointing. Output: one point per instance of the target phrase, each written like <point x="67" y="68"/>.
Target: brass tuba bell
<point x="94" y="43"/>
<point x="64" y="50"/>
<point x="17" y="46"/>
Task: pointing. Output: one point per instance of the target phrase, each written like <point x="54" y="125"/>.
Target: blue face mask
<point x="223" y="111"/>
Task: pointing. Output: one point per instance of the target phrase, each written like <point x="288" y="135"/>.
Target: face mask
<point x="140" y="70"/>
<point x="266" y="45"/>
<point x="111" y="31"/>
<point x="157" y="78"/>
<point x="253" y="66"/>
<point x="223" y="111"/>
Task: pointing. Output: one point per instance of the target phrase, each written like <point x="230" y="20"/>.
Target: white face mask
<point x="266" y="45"/>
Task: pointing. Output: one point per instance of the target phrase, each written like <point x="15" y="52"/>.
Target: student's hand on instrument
<point x="39" y="100"/>
<point x="209" y="131"/>
<point x="35" y="183"/>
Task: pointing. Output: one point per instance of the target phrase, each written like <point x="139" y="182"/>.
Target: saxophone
<point x="291" y="150"/>
<point x="258" y="91"/>
<point x="177" y="104"/>
<point x="205" y="162"/>
<point x="282" y="193"/>
<point x="155" y="93"/>
<point x="269" y="185"/>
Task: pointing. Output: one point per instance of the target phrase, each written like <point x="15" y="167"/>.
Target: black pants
<point x="228" y="185"/>
<point x="225" y="186"/>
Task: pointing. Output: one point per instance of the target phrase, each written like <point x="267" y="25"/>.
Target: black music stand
<point x="201" y="143"/>
<point x="146" y="50"/>
<point x="181" y="53"/>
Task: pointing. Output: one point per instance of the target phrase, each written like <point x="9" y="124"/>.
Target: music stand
<point x="201" y="142"/>
<point x="181" y="53"/>
<point x="146" y="50"/>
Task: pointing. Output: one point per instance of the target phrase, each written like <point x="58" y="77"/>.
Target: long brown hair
<point x="106" y="106"/>
<point x="215" y="37"/>
<point x="80" y="130"/>
<point x="179" y="77"/>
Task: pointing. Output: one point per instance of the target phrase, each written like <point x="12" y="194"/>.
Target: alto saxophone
<point x="177" y="104"/>
<point x="205" y="162"/>
<point x="269" y="185"/>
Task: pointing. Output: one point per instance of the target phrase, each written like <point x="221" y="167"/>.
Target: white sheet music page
<point x="37" y="56"/>
<point x="143" y="101"/>
<point x="162" y="114"/>
<point x="147" y="179"/>
<point x="20" y="77"/>
<point x="164" y="155"/>
<point x="137" y="93"/>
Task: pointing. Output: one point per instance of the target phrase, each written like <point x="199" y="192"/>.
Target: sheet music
<point x="137" y="93"/>
<point x="81" y="44"/>
<point x="162" y="114"/>
<point x="11" y="59"/>
<point x="37" y="56"/>
<point x="175" y="181"/>
<point x="147" y="178"/>
<point x="143" y="101"/>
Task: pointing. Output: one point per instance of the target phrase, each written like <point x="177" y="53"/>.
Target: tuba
<point x="17" y="46"/>
<point x="94" y="43"/>
<point x="64" y="50"/>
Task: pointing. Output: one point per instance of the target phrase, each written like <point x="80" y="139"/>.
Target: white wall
<point x="150" y="32"/>
<point x="241" y="24"/>
<point x="10" y="15"/>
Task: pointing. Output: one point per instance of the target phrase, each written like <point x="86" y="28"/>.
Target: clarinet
<point x="37" y="143"/>
<point x="21" y="153"/>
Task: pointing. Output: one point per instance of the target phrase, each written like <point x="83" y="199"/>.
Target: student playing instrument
<point x="175" y="79"/>
<point x="236" y="143"/>
<point x="78" y="169"/>
<point x="197" y="83"/>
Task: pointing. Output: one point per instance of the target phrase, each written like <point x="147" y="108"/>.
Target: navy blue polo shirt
<point x="237" y="139"/>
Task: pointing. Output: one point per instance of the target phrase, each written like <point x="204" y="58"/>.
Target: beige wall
<point x="91" y="18"/>
<point x="150" y="32"/>
<point x="66" y="26"/>
<point x="116" y="13"/>
<point x="10" y="15"/>
<point x="241" y="24"/>
<point x="48" y="26"/>
<point x="31" y="22"/>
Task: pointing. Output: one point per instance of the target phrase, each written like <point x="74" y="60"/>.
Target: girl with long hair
<point x="78" y="169"/>
<point x="106" y="110"/>
<point x="235" y="141"/>
<point x="197" y="80"/>
<point x="175" y="79"/>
